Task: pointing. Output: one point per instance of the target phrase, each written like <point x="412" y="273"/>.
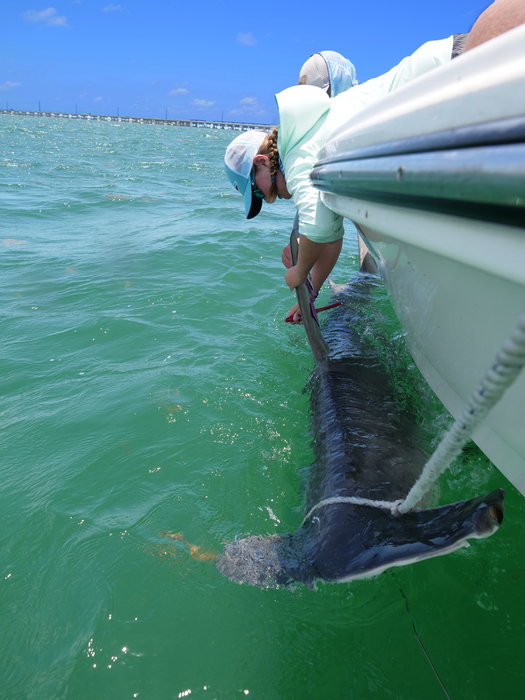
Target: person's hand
<point x="287" y="256"/>
<point x="292" y="278"/>
<point x="295" y="313"/>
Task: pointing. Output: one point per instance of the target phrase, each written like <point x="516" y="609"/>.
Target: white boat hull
<point x="457" y="315"/>
<point x="449" y="240"/>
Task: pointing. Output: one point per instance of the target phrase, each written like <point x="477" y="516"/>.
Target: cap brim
<point x="252" y="205"/>
<point x="255" y="207"/>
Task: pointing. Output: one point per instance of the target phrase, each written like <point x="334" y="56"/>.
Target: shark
<point x="367" y="452"/>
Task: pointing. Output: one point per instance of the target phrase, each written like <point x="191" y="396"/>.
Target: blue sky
<point x="200" y="59"/>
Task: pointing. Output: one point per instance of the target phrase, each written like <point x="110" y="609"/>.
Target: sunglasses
<point x="255" y="190"/>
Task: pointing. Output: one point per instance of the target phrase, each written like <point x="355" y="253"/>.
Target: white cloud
<point x="249" y="105"/>
<point x="202" y="103"/>
<point x="246" y="39"/>
<point x="48" y="17"/>
<point x="178" y="91"/>
<point x="98" y="99"/>
<point x="154" y="82"/>
<point x="113" y="8"/>
<point x="8" y="85"/>
<point x="84" y="94"/>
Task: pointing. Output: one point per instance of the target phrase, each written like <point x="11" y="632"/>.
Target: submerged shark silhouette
<point x="366" y="446"/>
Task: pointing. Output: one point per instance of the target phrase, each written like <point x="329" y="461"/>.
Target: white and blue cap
<point x="238" y="163"/>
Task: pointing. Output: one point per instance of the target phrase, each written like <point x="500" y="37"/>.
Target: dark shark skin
<point x="364" y="446"/>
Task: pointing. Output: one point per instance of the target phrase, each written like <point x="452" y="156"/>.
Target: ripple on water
<point x="153" y="408"/>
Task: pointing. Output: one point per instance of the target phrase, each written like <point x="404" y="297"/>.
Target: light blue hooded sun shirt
<point x="309" y="118"/>
<point x="341" y="71"/>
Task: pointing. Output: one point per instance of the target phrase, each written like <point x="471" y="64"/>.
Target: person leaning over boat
<point x="267" y="166"/>
<point x="308" y="120"/>
<point x="329" y="71"/>
<point x="333" y="73"/>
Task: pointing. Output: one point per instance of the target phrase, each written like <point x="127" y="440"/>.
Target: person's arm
<point x="326" y="263"/>
<point x="319" y="258"/>
<point x="309" y="253"/>
<point x="497" y="19"/>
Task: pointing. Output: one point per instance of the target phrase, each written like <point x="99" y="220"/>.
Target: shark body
<point x="365" y="446"/>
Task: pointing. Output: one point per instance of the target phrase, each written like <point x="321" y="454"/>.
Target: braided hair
<point x="269" y="148"/>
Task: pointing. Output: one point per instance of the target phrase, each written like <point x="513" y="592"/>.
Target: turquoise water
<point x="150" y="388"/>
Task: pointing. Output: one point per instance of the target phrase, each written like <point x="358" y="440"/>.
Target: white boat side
<point x="447" y="232"/>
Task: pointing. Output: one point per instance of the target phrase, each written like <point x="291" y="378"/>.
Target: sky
<point x="200" y="59"/>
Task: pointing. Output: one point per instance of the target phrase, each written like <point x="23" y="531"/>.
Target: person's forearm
<point x="319" y="258"/>
<point x="309" y="253"/>
<point x="325" y="264"/>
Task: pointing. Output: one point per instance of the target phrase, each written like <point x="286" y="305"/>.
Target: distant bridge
<point x="230" y="126"/>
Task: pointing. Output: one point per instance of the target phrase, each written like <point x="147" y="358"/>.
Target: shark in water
<point x="365" y="446"/>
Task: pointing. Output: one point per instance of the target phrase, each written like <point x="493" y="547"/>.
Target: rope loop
<point x="391" y="506"/>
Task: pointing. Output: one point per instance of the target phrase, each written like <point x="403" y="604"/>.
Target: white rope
<point x="391" y="506"/>
<point x="503" y="373"/>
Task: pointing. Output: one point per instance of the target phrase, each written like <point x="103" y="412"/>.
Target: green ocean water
<point x="149" y="388"/>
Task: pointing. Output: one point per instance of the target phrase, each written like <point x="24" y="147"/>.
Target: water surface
<point x="151" y="388"/>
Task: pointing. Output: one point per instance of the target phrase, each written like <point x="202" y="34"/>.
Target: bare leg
<point x="497" y="19"/>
